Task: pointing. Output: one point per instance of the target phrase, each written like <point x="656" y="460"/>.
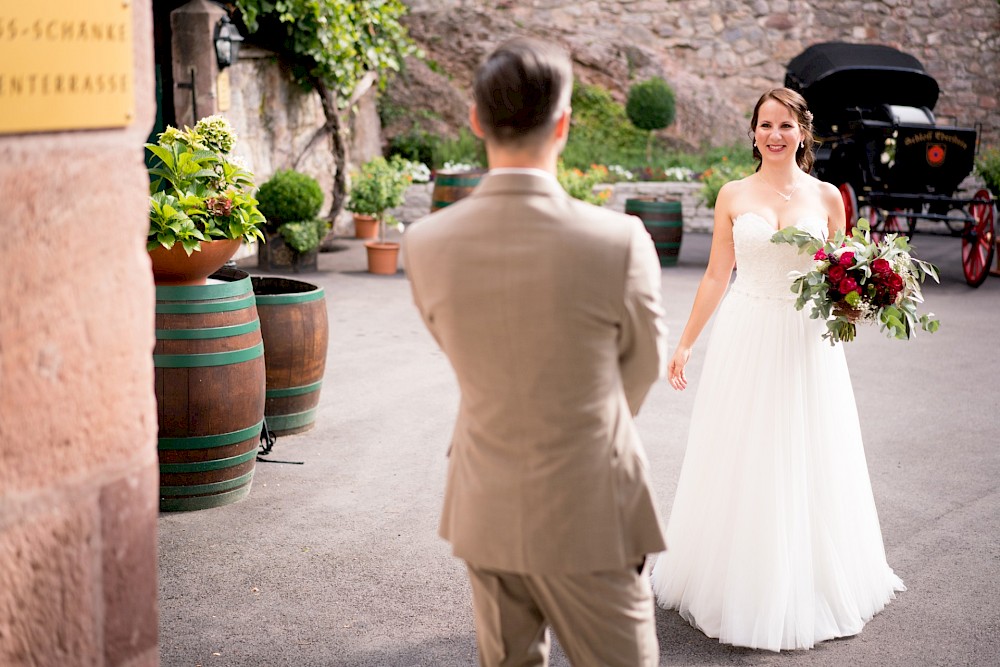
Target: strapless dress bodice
<point x="763" y="268"/>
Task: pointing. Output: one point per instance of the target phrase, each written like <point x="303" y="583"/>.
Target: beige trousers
<point x="602" y="619"/>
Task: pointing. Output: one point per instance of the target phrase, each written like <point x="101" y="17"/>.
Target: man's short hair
<point x="521" y="89"/>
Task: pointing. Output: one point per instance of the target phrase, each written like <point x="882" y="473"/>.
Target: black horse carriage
<point x="881" y="144"/>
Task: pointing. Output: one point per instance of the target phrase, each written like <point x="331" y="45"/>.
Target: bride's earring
<point x="802" y="144"/>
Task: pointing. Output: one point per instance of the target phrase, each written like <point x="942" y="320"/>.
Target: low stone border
<point x="697" y="217"/>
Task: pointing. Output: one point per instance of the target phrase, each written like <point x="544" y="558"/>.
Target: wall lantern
<point x="227" y="42"/>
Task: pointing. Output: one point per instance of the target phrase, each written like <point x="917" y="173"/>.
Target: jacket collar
<point x="519" y="182"/>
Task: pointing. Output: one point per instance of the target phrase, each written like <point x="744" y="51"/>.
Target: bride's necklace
<point x="788" y="197"/>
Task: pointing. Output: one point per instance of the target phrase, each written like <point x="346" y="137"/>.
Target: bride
<point x="773" y="539"/>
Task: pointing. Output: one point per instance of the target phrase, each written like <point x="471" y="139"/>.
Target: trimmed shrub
<point x="289" y="196"/>
<point x="305" y="235"/>
<point x="651" y="104"/>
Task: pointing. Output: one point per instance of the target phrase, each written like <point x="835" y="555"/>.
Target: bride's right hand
<point x="675" y="371"/>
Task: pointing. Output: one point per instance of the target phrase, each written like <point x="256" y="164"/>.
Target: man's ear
<point x="477" y="129"/>
<point x="562" y="125"/>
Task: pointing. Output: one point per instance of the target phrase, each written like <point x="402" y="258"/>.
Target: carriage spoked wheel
<point x="850" y="205"/>
<point x="892" y="223"/>
<point x="979" y="239"/>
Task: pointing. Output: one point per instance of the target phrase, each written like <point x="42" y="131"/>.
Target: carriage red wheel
<point x="979" y="239"/>
<point x="850" y="205"/>
<point x="892" y="224"/>
<point x="874" y="218"/>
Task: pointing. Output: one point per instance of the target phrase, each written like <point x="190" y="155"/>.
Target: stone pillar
<point x="194" y="64"/>
<point x="78" y="464"/>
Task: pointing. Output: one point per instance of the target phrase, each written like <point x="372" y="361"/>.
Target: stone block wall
<point x="276" y="120"/>
<point x="697" y="216"/>
<point x="719" y="55"/>
<point x="78" y="464"/>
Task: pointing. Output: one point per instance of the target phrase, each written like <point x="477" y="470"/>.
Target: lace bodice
<point x="762" y="267"/>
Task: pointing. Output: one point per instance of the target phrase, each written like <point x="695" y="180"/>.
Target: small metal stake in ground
<point x="267" y="440"/>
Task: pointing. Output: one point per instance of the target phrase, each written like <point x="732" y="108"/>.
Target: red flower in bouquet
<point x="836" y="273"/>
<point x="881" y="266"/>
<point x="854" y="279"/>
<point x="847" y="285"/>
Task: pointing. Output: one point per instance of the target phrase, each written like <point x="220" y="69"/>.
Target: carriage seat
<point x="904" y="115"/>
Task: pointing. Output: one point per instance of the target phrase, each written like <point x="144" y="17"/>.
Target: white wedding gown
<point x="773" y="540"/>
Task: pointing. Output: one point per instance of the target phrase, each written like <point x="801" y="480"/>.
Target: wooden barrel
<point x="293" y="324"/>
<point x="664" y="223"/>
<point x="449" y="186"/>
<point x="209" y="362"/>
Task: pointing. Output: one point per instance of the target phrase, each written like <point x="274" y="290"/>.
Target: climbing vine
<point x="340" y="48"/>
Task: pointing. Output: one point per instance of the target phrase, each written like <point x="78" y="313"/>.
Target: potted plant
<point x="291" y="201"/>
<point x="651" y="106"/>
<point x="380" y="185"/>
<point x="201" y="203"/>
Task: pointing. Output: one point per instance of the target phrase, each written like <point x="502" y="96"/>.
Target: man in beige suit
<point x="549" y="311"/>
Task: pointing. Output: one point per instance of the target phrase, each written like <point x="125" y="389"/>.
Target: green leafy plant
<point x="720" y="173"/>
<point x="339" y="48"/>
<point x="466" y="148"/>
<point x="580" y="184"/>
<point x="305" y="235"/>
<point x="291" y="200"/>
<point x="379" y="185"/>
<point x="600" y="130"/>
<point x="651" y="107"/>
<point x="289" y="196"/>
<point x="988" y="167"/>
<point x="198" y="191"/>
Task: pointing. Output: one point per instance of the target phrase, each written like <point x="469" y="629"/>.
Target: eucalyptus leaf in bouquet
<point x="855" y="279"/>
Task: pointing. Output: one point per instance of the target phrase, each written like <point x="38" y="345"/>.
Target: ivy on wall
<point x="340" y="48"/>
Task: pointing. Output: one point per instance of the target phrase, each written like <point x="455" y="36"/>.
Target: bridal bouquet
<point x="855" y="280"/>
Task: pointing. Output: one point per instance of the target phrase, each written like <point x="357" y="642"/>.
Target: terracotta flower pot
<point x="365" y="227"/>
<point x="382" y="258"/>
<point x="175" y="267"/>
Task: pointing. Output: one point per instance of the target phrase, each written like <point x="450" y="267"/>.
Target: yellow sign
<point x="65" y="65"/>
<point x="224" y="92"/>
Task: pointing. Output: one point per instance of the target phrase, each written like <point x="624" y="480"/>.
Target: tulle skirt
<point x="773" y="540"/>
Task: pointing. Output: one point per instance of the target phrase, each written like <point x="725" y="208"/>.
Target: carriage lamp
<point x="227" y="42"/>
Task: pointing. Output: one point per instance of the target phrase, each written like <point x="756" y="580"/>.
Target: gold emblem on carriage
<point x="935" y="154"/>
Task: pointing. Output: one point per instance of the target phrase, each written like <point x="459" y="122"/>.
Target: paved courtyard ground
<point x="336" y="562"/>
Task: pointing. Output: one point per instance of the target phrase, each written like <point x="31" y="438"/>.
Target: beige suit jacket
<point x="549" y="311"/>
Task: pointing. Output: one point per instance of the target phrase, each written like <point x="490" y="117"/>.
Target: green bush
<point x="601" y="132"/>
<point x="305" y="235"/>
<point x="651" y="107"/>
<point x="379" y="185"/>
<point x="988" y="167"/>
<point x="651" y="104"/>
<point x="289" y="196"/>
<point x="580" y="184"/>
<point x="415" y="145"/>
<point x="467" y="148"/>
<point x="719" y="174"/>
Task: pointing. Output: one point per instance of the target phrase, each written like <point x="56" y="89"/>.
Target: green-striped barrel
<point x="664" y="223"/>
<point x="294" y="326"/>
<point x="450" y="186"/>
<point x="209" y="362"/>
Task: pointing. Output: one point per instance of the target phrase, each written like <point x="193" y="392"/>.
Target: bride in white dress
<point x="773" y="540"/>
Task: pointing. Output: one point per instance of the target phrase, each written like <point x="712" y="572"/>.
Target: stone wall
<point x="276" y="119"/>
<point x="78" y="464"/>
<point x="719" y="55"/>
<point x="697" y="216"/>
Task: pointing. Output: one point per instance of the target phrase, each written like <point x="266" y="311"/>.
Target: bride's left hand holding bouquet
<point x="855" y="279"/>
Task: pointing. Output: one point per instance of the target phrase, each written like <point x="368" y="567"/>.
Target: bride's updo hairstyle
<point x="521" y="90"/>
<point x="791" y="100"/>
